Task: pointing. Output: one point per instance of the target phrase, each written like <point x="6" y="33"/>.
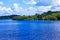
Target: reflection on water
<point x="29" y="30"/>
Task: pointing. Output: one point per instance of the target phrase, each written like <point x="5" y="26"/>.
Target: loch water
<point x="29" y="30"/>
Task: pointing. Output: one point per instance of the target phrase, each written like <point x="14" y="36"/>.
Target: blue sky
<point x="28" y="7"/>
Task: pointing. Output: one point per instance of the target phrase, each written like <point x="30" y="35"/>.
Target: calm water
<point x="29" y="30"/>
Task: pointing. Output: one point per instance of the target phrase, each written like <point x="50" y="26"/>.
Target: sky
<point x="28" y="7"/>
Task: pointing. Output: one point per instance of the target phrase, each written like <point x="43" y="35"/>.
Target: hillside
<point x="44" y="16"/>
<point x="7" y="17"/>
<point x="51" y="15"/>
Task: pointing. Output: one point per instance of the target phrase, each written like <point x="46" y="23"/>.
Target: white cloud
<point x="9" y="10"/>
<point x="34" y="10"/>
<point x="1" y="3"/>
<point x="29" y="11"/>
<point x="44" y="8"/>
<point x="16" y="7"/>
<point x="56" y="9"/>
<point x="32" y="2"/>
<point x="55" y="3"/>
<point x="22" y="11"/>
<point x="5" y="11"/>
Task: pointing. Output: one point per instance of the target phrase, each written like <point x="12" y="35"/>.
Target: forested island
<point x="50" y="15"/>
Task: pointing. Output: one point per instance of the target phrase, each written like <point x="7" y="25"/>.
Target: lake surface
<point x="29" y="30"/>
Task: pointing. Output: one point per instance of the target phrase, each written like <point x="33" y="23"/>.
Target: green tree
<point x="49" y="17"/>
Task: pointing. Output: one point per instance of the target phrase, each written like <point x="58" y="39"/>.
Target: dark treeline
<point x="44" y="16"/>
<point x="7" y="17"/>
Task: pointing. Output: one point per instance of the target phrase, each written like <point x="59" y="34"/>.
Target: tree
<point x="49" y="17"/>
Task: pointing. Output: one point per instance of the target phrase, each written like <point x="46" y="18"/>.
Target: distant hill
<point x="7" y="17"/>
<point x="50" y="15"/>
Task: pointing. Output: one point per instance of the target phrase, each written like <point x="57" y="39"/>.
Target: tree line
<point x="50" y="15"/>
